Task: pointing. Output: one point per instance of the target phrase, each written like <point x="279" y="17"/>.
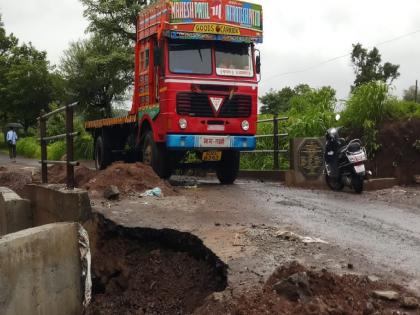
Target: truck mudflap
<point x="205" y="142"/>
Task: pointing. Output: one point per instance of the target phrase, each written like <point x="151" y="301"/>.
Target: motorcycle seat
<point x="354" y="147"/>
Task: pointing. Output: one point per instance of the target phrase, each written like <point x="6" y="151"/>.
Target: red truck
<point x="195" y="89"/>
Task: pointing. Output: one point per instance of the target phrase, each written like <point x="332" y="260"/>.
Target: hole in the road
<point x="147" y="271"/>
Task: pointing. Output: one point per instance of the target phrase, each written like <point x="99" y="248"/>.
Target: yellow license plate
<point x="212" y="156"/>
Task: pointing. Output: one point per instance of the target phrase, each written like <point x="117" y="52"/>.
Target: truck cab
<point x="195" y="88"/>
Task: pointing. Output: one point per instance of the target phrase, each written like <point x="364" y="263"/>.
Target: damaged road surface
<point x="245" y="224"/>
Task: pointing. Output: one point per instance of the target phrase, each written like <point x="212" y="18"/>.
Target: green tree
<point x="27" y="86"/>
<point x="410" y="94"/>
<point x="275" y="102"/>
<point x="96" y="71"/>
<point x="311" y="112"/>
<point x="368" y="67"/>
<point x="114" y="18"/>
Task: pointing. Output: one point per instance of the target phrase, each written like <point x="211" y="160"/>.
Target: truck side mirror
<point x="258" y="63"/>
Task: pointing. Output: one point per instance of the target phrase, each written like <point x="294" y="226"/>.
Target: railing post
<point x="43" y="133"/>
<point x="276" y="142"/>
<point x="69" y="146"/>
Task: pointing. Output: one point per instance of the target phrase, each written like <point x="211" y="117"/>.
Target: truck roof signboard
<point x="208" y="20"/>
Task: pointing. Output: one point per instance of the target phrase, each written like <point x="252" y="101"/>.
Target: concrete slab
<point x="15" y="212"/>
<point x="54" y="203"/>
<point x="40" y="271"/>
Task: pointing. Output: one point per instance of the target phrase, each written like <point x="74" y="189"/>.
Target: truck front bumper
<point x="210" y="142"/>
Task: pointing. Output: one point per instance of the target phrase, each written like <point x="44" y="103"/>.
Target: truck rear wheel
<point x="102" y="155"/>
<point x="155" y="155"/>
<point x="228" y="168"/>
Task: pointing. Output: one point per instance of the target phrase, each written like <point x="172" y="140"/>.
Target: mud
<point x="130" y="179"/>
<point x="146" y="271"/>
<point x="57" y="174"/>
<point x="15" y="179"/>
<point x="318" y="293"/>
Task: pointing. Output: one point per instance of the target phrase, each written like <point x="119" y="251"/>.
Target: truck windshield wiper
<point x="201" y="55"/>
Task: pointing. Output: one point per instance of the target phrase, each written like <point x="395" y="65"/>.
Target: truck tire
<point x="102" y="155"/>
<point x="155" y="155"/>
<point x="228" y="168"/>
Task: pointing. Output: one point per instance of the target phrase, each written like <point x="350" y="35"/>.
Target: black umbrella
<point x="13" y="125"/>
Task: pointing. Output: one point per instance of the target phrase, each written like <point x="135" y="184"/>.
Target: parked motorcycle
<point x="344" y="162"/>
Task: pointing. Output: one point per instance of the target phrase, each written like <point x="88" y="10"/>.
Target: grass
<point x="29" y="147"/>
<point x="265" y="161"/>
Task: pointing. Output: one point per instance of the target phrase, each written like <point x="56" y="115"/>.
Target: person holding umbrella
<point x="11" y="140"/>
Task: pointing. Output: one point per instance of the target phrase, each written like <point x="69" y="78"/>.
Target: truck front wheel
<point x="155" y="155"/>
<point x="228" y="168"/>
<point x="102" y="155"/>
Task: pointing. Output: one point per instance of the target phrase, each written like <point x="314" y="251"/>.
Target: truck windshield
<point x="234" y="59"/>
<point x="190" y="57"/>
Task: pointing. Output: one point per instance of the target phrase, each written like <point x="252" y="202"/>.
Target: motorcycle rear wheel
<point x="357" y="183"/>
<point x="334" y="184"/>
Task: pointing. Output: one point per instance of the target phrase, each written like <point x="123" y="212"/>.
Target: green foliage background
<point x="312" y="112"/>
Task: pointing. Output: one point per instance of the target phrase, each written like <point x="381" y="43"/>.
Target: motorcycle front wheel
<point x="334" y="184"/>
<point x="357" y="183"/>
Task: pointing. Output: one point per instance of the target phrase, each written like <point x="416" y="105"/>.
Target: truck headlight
<point x="245" y="125"/>
<point x="183" y="124"/>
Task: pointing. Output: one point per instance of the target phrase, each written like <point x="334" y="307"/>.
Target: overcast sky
<point x="299" y="35"/>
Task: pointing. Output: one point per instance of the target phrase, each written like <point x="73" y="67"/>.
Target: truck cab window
<point x="190" y="57"/>
<point x="234" y="59"/>
<point x="147" y="58"/>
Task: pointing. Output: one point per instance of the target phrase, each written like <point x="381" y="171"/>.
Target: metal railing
<point x="276" y="140"/>
<point x="69" y="136"/>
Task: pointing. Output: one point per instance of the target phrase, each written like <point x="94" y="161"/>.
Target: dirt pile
<point x="397" y="155"/>
<point x="57" y="174"/>
<point x="128" y="178"/>
<point x="295" y="290"/>
<point x="143" y="271"/>
<point x="15" y="179"/>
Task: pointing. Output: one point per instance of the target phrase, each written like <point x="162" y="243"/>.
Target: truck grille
<point x="198" y="105"/>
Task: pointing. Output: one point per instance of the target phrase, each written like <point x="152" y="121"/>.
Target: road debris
<point x="410" y="303"/>
<point x="155" y="192"/>
<point x="291" y="236"/>
<point x="386" y="295"/>
<point x="111" y="193"/>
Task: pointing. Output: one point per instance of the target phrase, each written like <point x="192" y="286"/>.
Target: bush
<point x="367" y="107"/>
<point x="400" y="109"/>
<point x="29" y="147"/>
<point x="3" y="145"/>
<point x="369" y="102"/>
<point x="264" y="161"/>
<point x="83" y="147"/>
<point x="56" y="150"/>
